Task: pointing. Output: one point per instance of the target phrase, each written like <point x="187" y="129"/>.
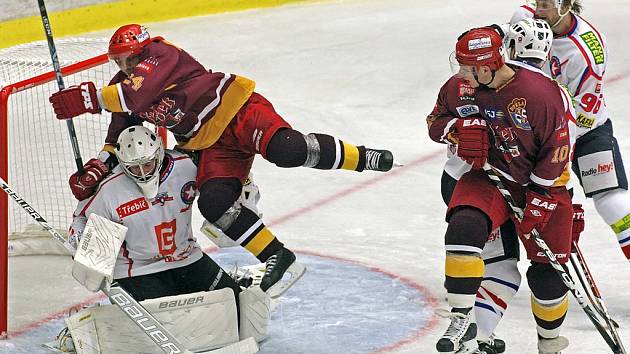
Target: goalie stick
<point x="55" y="61"/>
<point x="564" y="275"/>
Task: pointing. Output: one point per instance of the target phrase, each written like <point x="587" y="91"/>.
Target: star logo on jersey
<point x="554" y="66"/>
<point x="189" y="192"/>
<point x="161" y="199"/>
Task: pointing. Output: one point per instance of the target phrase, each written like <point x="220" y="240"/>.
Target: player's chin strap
<point x="616" y="347"/>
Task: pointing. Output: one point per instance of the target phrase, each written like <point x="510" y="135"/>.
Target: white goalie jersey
<point x="577" y="60"/>
<point x="159" y="235"/>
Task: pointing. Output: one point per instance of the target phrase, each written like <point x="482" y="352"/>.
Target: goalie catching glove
<point x="75" y="100"/>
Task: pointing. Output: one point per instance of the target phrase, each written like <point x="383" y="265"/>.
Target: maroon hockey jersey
<point x="170" y="88"/>
<point x="527" y="119"/>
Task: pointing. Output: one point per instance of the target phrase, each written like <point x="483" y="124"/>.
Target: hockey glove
<point x="538" y="209"/>
<point x="472" y="140"/>
<point x="578" y="222"/>
<point x="83" y="185"/>
<point x="75" y="100"/>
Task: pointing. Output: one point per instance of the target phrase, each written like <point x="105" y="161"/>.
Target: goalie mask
<point x="529" y="39"/>
<point x="140" y="153"/>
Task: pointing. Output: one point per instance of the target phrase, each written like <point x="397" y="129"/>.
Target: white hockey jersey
<point x="160" y="234"/>
<point x="577" y="60"/>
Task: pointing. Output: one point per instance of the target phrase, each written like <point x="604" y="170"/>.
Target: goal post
<point x="35" y="151"/>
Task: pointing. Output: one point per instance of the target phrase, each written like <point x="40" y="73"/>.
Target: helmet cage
<point x="136" y="147"/>
<point x="530" y="39"/>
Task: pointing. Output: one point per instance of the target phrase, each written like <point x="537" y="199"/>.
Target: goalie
<point x="151" y="193"/>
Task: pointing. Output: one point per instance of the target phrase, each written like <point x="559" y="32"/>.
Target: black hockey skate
<point x="280" y="263"/>
<point x="491" y="345"/>
<point x="378" y="160"/>
<point x="460" y="336"/>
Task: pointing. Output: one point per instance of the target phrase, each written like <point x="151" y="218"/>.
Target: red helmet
<point x="128" y="40"/>
<point x="480" y="47"/>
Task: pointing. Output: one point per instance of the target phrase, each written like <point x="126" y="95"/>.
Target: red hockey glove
<point x="75" y="100"/>
<point x="472" y="141"/>
<point x="578" y="222"/>
<point x="540" y="205"/>
<point x="83" y="185"/>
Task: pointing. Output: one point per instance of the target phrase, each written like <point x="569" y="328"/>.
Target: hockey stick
<point x="577" y="258"/>
<point x="55" y="61"/>
<point x="564" y="275"/>
<point x="117" y="295"/>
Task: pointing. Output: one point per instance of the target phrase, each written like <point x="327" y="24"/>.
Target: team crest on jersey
<point x="517" y="111"/>
<point x="466" y="92"/>
<point x="132" y="207"/>
<point x="554" y="66"/>
<point x="594" y="45"/>
<point x="188" y="193"/>
<point x="161" y="199"/>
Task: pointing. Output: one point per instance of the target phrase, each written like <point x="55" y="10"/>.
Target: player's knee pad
<point x="218" y="201"/>
<point x="544" y="281"/>
<point x="288" y="148"/>
<point x="468" y="230"/>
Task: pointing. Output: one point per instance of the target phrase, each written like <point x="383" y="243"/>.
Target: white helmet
<point x="530" y="38"/>
<point x="136" y="147"/>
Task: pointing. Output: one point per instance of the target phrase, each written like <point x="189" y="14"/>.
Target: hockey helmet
<point x="480" y="47"/>
<point x="140" y="153"/>
<point x="128" y="40"/>
<point x="530" y="38"/>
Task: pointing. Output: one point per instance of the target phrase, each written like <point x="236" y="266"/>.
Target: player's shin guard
<point x="614" y="208"/>
<point x="249" y="231"/>
<point x="549" y="304"/>
<point x="500" y="283"/>
<point x="327" y="153"/>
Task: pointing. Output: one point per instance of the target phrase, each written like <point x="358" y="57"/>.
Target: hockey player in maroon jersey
<point x="216" y="114"/>
<point x="514" y="119"/>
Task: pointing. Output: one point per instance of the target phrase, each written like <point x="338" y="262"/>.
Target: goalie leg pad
<point x="255" y="313"/>
<point x="200" y="321"/>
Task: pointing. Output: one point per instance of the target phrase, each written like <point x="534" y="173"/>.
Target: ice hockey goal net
<point x="35" y="151"/>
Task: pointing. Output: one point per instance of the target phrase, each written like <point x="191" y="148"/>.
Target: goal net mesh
<point x="39" y="149"/>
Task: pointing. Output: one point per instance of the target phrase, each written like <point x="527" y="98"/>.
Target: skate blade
<point x="397" y="164"/>
<point x="295" y="270"/>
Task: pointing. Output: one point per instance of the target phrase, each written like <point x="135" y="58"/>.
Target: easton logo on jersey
<point x="132" y="207"/>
